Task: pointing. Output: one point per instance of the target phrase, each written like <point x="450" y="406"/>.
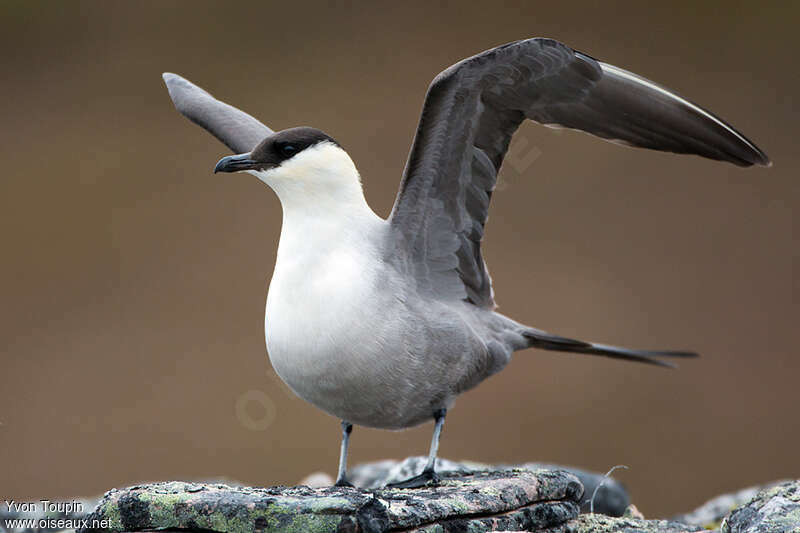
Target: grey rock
<point x="711" y="513"/>
<point x="482" y="501"/>
<point x="473" y="498"/>
<point x="773" y="510"/>
<point x="598" y="523"/>
<point x="611" y="499"/>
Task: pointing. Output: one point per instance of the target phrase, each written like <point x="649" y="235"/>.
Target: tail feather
<point x="541" y="339"/>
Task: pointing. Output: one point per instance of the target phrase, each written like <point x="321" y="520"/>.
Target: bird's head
<point x="298" y="162"/>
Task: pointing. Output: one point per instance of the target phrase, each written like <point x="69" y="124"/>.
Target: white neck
<point x="324" y="208"/>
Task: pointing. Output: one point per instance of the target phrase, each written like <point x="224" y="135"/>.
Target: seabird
<point x="384" y="322"/>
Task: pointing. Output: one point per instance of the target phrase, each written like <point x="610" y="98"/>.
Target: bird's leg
<point x="341" y="477"/>
<point x="428" y="474"/>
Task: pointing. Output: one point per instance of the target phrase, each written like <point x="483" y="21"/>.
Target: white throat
<point x="321" y="180"/>
<point x="328" y="227"/>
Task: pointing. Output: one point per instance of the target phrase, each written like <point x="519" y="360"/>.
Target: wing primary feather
<point x="470" y="113"/>
<point x="233" y="127"/>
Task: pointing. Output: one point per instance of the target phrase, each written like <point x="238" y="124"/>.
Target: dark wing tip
<point x="747" y="153"/>
<point x="624" y="107"/>
<point x="761" y="159"/>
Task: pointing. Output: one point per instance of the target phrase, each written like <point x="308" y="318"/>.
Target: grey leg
<point x="341" y="477"/>
<point x="428" y="475"/>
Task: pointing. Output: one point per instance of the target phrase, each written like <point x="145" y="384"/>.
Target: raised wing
<point x="236" y="129"/>
<point x="470" y="113"/>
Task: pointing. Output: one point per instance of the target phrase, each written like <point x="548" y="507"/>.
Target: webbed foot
<point x="427" y="478"/>
<point x="343" y="482"/>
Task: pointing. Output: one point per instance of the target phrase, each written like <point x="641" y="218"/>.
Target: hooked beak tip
<point x="234" y="163"/>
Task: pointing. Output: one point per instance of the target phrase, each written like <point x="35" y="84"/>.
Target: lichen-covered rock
<point x="482" y="501"/>
<point x="611" y="498"/>
<point x="710" y="514"/>
<point x="598" y="523"/>
<point x="772" y="510"/>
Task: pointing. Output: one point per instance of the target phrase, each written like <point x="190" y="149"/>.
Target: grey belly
<point x="387" y="390"/>
<point x="388" y="382"/>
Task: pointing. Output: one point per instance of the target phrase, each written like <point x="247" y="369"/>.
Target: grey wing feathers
<point x="471" y="111"/>
<point x="636" y="111"/>
<point x="236" y="129"/>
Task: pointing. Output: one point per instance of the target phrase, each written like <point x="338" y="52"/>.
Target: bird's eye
<point x="288" y="150"/>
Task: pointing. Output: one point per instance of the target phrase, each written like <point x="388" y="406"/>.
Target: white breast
<point x="314" y="305"/>
<point x="323" y="302"/>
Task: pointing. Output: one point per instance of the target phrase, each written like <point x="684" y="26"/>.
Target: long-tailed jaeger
<point x="384" y="322"/>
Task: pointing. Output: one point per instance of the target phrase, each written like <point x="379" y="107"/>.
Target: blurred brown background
<point x="134" y="279"/>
